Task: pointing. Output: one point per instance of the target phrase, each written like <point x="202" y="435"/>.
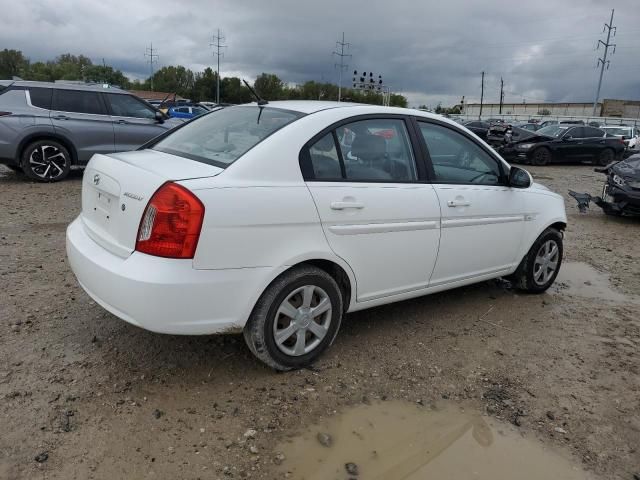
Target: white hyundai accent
<point x="277" y="219"/>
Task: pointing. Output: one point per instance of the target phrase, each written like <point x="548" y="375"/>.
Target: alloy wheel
<point x="302" y="320"/>
<point x="546" y="262"/>
<point x="47" y="162"/>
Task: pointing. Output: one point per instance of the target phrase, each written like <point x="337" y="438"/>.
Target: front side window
<point x="78" y="101"/>
<point x="223" y="136"/>
<point x="128" y="106"/>
<point x="591" y="132"/>
<point x="575" y="132"/>
<point x="458" y="160"/>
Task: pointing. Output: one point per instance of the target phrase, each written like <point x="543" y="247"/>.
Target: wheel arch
<point x="35" y="137"/>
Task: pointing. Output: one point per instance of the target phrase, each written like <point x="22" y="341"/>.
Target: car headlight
<point x="618" y="180"/>
<point x="524" y="146"/>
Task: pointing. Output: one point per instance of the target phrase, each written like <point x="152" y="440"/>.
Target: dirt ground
<point x="93" y="397"/>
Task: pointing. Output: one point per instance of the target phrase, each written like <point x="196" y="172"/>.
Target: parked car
<point x="565" y="143"/>
<point x="629" y="134"/>
<point x="187" y="111"/>
<point x="621" y="191"/>
<point x="532" y="127"/>
<point x="46" y="128"/>
<point x="277" y="219"/>
<point x="478" y="127"/>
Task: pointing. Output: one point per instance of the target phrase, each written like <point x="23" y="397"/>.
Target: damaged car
<point x="621" y="191"/>
<point x="564" y="143"/>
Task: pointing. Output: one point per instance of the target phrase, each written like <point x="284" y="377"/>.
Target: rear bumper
<point x="164" y="295"/>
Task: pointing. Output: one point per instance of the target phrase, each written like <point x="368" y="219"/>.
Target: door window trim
<point x="304" y="157"/>
<point x="416" y="120"/>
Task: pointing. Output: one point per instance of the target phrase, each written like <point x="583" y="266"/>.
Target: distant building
<point x="606" y="108"/>
<point x="150" y="95"/>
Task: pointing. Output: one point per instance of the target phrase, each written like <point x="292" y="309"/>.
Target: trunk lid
<point x="116" y="189"/>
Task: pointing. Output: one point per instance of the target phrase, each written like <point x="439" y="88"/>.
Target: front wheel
<point x="606" y="157"/>
<point x="296" y="319"/>
<point x="540" y="266"/>
<point x="541" y="156"/>
<point x="46" y="161"/>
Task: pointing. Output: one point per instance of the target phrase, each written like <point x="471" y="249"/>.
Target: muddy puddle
<point x="399" y="440"/>
<point x="582" y="280"/>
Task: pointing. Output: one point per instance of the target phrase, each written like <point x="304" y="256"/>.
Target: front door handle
<point x="122" y="122"/>
<point x="345" y="205"/>
<point x="61" y="117"/>
<point x="458" y="203"/>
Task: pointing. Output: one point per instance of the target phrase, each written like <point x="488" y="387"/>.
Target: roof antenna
<point x="261" y="101"/>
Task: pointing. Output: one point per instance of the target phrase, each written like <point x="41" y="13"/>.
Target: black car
<point x="621" y="192"/>
<point x="564" y="143"/>
<point x="478" y="127"/>
<point x="502" y="134"/>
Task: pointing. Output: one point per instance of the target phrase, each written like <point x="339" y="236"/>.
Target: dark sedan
<point x="565" y="143"/>
<point x="478" y="127"/>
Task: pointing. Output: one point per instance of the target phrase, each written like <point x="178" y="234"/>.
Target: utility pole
<point x="152" y="59"/>
<point x="501" y="94"/>
<point x="481" y="96"/>
<point x="341" y="65"/>
<point x="603" y="61"/>
<point x="216" y="43"/>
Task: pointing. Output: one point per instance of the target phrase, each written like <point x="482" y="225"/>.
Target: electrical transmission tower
<point x="217" y="44"/>
<point x="342" y="66"/>
<point x="602" y="62"/>
<point x="152" y="59"/>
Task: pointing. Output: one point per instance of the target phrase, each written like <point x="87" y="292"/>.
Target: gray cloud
<point x="429" y="50"/>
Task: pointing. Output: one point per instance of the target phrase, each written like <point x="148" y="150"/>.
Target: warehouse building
<point x="606" y="108"/>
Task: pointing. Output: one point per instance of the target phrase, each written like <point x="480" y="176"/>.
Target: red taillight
<point x="171" y="223"/>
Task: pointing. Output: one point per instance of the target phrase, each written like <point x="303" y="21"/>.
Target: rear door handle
<point x="122" y="122"/>
<point x="61" y="117"/>
<point x="458" y="203"/>
<point x="345" y="205"/>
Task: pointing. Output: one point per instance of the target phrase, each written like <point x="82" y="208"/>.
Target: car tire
<point x="536" y="271"/>
<point x="540" y="156"/>
<point x="287" y="341"/>
<point x="46" y="161"/>
<point x="605" y="157"/>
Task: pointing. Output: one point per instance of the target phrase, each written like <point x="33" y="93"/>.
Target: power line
<point x="152" y="59"/>
<point x="216" y="43"/>
<point x="342" y="65"/>
<point x="603" y="61"/>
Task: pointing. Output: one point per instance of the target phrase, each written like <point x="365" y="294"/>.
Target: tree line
<point x="197" y="86"/>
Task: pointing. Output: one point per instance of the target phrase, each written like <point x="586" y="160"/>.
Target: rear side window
<point x="41" y="97"/>
<point x="590" y="132"/>
<point x="78" y="101"/>
<point x="575" y="132"/>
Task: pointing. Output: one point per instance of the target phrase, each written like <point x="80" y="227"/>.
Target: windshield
<point x="221" y="137"/>
<point x="620" y="131"/>
<point x="553" y="130"/>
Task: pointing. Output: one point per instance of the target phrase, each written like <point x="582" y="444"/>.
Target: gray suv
<point x="46" y="128"/>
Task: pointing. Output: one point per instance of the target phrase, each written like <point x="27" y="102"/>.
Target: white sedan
<point x="276" y="220"/>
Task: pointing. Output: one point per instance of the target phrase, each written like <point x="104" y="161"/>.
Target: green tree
<point x="270" y="87"/>
<point x="172" y="79"/>
<point x="232" y="90"/>
<point x="13" y="63"/>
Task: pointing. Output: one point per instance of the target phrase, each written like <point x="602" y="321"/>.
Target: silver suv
<point x="46" y="128"/>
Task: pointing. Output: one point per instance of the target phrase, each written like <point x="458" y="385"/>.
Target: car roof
<point x="93" y="87"/>
<point x="313" y="106"/>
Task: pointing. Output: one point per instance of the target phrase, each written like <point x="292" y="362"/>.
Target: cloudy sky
<point x="428" y="50"/>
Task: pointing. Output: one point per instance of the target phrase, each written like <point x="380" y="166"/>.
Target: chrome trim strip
<point x="383" y="227"/>
<point x="471" y="221"/>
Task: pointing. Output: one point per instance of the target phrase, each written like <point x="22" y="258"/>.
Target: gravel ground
<point x="85" y="395"/>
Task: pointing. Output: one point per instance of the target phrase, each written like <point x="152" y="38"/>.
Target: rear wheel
<point x="540" y="266"/>
<point x="606" y="157"/>
<point x="541" y="156"/>
<point x="46" y="161"/>
<point x="296" y="319"/>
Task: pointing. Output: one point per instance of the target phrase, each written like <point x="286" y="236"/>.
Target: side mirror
<point x="159" y="117"/>
<point x="519" y="178"/>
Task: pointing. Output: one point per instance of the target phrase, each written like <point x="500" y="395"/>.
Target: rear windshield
<point x="553" y="130"/>
<point x="221" y="137"/>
